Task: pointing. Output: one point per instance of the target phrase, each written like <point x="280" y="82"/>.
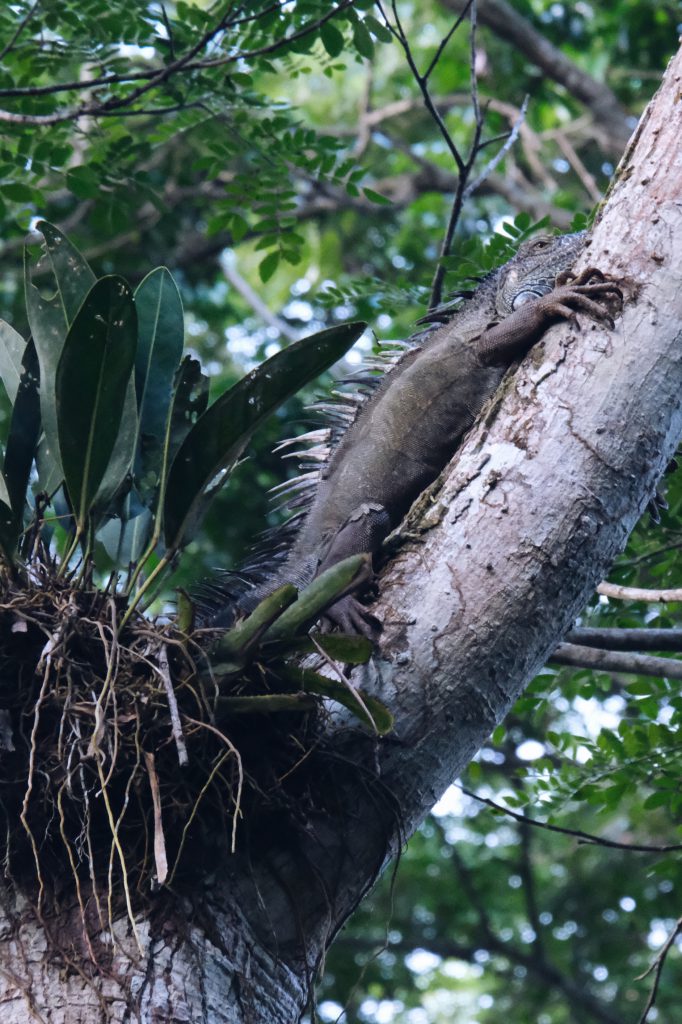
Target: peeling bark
<point x="493" y="568"/>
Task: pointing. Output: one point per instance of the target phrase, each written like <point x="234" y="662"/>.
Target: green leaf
<point x="159" y="351"/>
<point x="84" y="182"/>
<point x="91" y="385"/>
<point x="498" y="735"/>
<point x="235" y="645"/>
<point x="376" y="197"/>
<point x="17" y="192"/>
<point x="117" y="477"/>
<point x="126" y="537"/>
<point x="218" y="438"/>
<point x="72" y="275"/>
<point x="8" y="530"/>
<point x="268" y="266"/>
<point x="12" y="348"/>
<point x="332" y="39"/>
<point x="159" y="348"/>
<point x="239" y="227"/>
<point x="49" y="319"/>
<point x="364" y="43"/>
<point x="377" y="29"/>
<point x="368" y="709"/>
<point x="24" y="431"/>
<point x="190" y="398"/>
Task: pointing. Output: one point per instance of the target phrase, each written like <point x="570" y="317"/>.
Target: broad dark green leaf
<point x="332" y="39"/>
<point x="364" y="43"/>
<point x="190" y="398"/>
<point x="8" y="529"/>
<point x="118" y="476"/>
<point x="218" y="438"/>
<point x="24" y="431"/>
<point x="61" y="267"/>
<point x="159" y="349"/>
<point x="125" y="539"/>
<point x="12" y="348"/>
<point x="91" y="384"/>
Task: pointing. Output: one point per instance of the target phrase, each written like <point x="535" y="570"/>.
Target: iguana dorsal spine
<point x="392" y="436"/>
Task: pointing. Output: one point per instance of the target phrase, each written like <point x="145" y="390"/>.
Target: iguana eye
<point x="523" y="297"/>
<point x="541" y="243"/>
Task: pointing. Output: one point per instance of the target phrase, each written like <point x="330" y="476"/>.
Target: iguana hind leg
<point x="364" y="530"/>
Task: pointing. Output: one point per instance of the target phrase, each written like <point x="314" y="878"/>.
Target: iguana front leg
<point x="506" y="341"/>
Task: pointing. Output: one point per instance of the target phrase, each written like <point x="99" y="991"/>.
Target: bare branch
<point x="399" y="33"/>
<point x="446" y="38"/>
<point x="517" y="31"/>
<point x="19" y="29"/>
<point x="638" y="593"/>
<point x="616" y="661"/>
<point x="492" y="164"/>
<point x="464" y="171"/>
<point x="627" y="639"/>
<point x="584" y="838"/>
<point x="657" y="967"/>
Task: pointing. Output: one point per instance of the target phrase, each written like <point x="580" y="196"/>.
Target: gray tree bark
<point x="493" y="567"/>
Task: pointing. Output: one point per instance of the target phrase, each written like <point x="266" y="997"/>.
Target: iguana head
<point x="533" y="271"/>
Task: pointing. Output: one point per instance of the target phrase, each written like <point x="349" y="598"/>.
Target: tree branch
<point x="19" y="29"/>
<point x="517" y="31"/>
<point x="615" y="590"/>
<point x="657" y="968"/>
<point x="616" y="661"/>
<point x="586" y="838"/>
<point x="627" y="639"/>
<point x="154" y="78"/>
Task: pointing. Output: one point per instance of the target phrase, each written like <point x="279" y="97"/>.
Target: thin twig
<point x="446" y="39"/>
<point x="159" y="76"/>
<point x="584" y="838"/>
<point x="398" y="32"/>
<point x="510" y="138"/>
<point x="657" y="967"/>
<point x="19" y="29"/>
<point x="465" y="172"/>
<point x="176" y="724"/>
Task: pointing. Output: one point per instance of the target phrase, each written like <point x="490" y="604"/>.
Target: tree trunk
<point x="494" y="565"/>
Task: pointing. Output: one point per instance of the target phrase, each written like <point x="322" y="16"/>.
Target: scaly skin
<point x="408" y="430"/>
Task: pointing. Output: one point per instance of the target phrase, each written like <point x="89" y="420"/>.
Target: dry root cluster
<point x="117" y="770"/>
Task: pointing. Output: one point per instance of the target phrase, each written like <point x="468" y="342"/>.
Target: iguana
<point x="389" y="444"/>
